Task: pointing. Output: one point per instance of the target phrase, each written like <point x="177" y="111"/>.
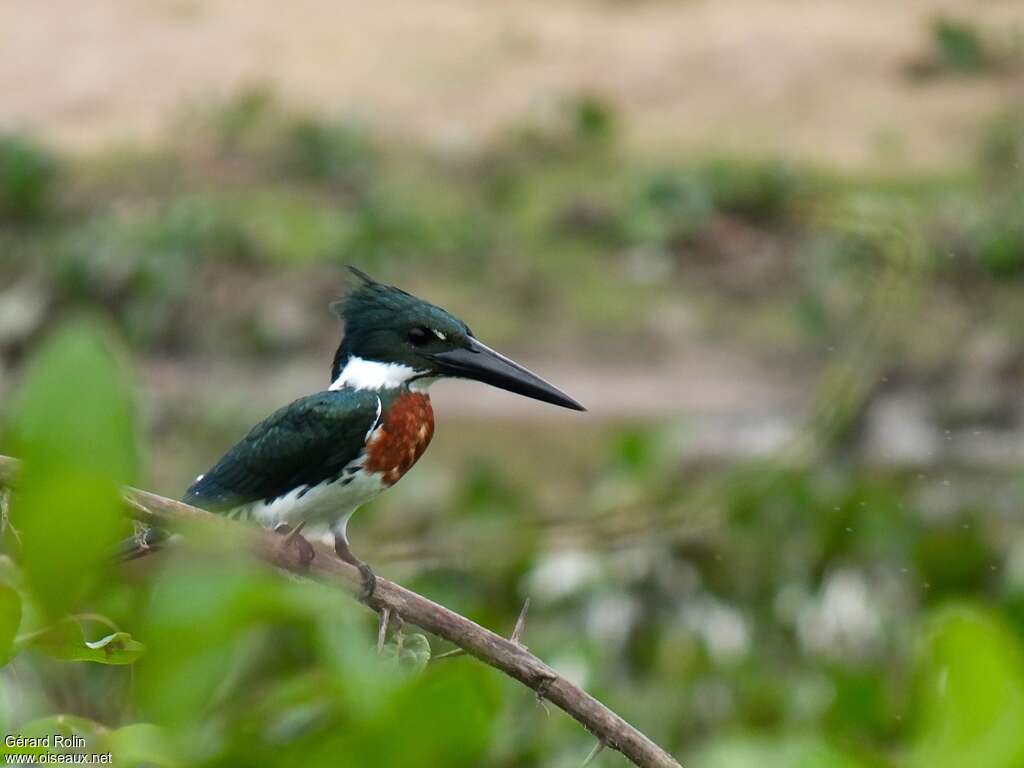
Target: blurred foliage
<point x="551" y="215"/>
<point x="793" y="752"/>
<point x="787" y="635"/>
<point x="959" y="46"/>
<point x="27" y="176"/>
<point x="238" y="665"/>
<point x="1000" y="240"/>
<point x="971" y="686"/>
<point x="1001" y="150"/>
<point x="762" y="191"/>
<point x="77" y="451"/>
<point x="335" y="153"/>
<point x="810" y="609"/>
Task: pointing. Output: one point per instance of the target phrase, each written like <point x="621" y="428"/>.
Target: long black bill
<point x="481" y="363"/>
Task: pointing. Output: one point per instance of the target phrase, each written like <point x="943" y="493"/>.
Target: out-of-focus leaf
<point x="73" y="425"/>
<point x="75" y="406"/>
<point x="446" y="717"/>
<point x="115" y="648"/>
<point x="207" y="621"/>
<point x="780" y="752"/>
<point x="195" y="628"/>
<point x="457" y="734"/>
<point x="216" y="626"/>
<point x="65" y="641"/>
<point x="971" y="689"/>
<point x="413" y="655"/>
<point x="10" y="619"/>
<point x="141" y="744"/>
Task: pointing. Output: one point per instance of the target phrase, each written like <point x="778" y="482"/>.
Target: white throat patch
<point x="371" y="374"/>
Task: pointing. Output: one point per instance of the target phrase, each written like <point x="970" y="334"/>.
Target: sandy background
<point x="744" y="75"/>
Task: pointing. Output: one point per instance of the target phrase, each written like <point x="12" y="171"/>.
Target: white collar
<point x="372" y="374"/>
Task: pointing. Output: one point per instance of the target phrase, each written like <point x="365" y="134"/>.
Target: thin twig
<point x="448" y="654"/>
<point x="597" y="750"/>
<point x="5" y="518"/>
<point x="517" y="631"/>
<point x="515" y="637"/>
<point x="382" y="631"/>
<point x="503" y="654"/>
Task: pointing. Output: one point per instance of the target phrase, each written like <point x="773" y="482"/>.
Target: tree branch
<point x="506" y="655"/>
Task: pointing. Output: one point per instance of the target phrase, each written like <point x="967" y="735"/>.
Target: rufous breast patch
<point x="404" y="434"/>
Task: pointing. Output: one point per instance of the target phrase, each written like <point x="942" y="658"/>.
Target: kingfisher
<point x="315" y="461"/>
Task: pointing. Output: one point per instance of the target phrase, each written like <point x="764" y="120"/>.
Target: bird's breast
<point x="405" y="431"/>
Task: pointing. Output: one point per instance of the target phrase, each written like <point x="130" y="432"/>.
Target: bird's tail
<point x="147" y="539"/>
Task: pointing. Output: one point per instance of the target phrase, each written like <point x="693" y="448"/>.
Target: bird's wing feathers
<point x="301" y="444"/>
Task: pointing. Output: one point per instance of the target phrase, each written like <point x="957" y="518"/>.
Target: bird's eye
<point x="419" y="336"/>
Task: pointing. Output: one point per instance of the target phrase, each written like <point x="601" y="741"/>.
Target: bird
<point x="315" y="461"/>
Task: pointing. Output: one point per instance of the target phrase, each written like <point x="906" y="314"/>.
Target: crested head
<point x="384" y="324"/>
<point x="393" y="339"/>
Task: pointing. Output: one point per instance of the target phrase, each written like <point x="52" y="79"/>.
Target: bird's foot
<point x="294" y="545"/>
<point x="369" y="577"/>
<point x="369" y="588"/>
<point x="369" y="582"/>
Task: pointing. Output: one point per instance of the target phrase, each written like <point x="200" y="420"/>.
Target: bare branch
<point x="507" y="655"/>
<point x="515" y="637"/>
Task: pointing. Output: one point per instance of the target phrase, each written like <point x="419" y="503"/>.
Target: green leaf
<point x="971" y="693"/>
<point x="201" y="626"/>
<point x="73" y="425"/>
<point x="10" y="619"/>
<point x="66" y="641"/>
<point x="142" y="743"/>
<point x="457" y="734"/>
<point x="446" y="716"/>
<point x="115" y="648"/>
<point x="411" y="656"/>
<point x="415" y="652"/>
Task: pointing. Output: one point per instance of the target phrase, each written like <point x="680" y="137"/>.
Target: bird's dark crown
<point x="393" y="339"/>
<point x="386" y="324"/>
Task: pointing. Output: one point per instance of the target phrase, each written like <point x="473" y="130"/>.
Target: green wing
<point x="303" y="444"/>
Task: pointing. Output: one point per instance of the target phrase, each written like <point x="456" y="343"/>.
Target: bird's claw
<point x="345" y="553"/>
<point x="369" y="583"/>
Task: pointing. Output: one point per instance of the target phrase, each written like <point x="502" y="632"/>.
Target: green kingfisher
<point x="315" y="461"/>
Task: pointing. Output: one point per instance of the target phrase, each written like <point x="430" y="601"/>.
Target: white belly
<point x="325" y="506"/>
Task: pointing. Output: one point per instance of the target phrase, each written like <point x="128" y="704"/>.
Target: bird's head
<point x="393" y="338"/>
